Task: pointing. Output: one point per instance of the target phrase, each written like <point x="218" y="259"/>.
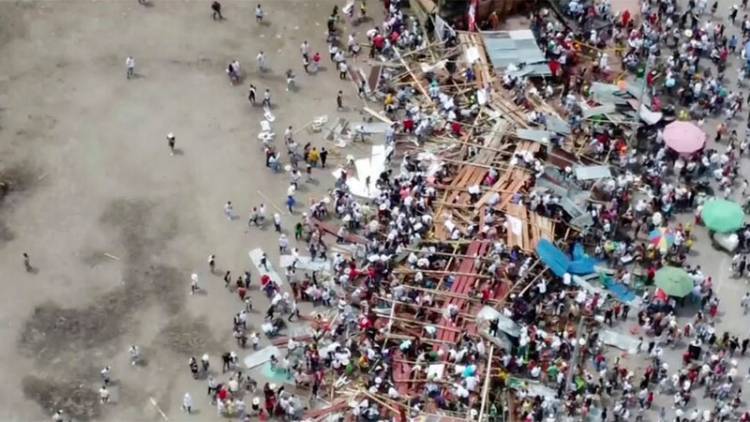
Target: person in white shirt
<point x="261" y="59"/>
<point x="258" y="14"/>
<point x="130" y="65"/>
<point x="104" y="394"/>
<point x="187" y="403"/>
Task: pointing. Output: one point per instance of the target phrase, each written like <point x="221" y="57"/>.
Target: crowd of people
<point x="682" y="53"/>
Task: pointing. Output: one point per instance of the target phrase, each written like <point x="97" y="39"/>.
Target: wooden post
<point x="486" y="383"/>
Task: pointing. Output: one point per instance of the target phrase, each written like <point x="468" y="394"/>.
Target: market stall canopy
<point x="674" y="281"/>
<point x="722" y="216"/>
<point x="684" y="137"/>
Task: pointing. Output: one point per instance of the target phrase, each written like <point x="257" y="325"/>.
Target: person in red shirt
<point x="456" y="128"/>
<point x="625" y="18"/>
<point x="241" y="292"/>
<point x="408" y="125"/>
<point x="379" y="42"/>
<point x="485" y="294"/>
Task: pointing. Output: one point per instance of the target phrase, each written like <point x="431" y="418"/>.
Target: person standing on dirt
<point x="261" y="60"/>
<point x="171" y="141"/>
<point x="135" y="354"/>
<point x="225" y="362"/>
<point x="187" y="403"/>
<point x="229" y="211"/>
<point x="264" y="261"/>
<point x="340" y="100"/>
<point x="205" y="363"/>
<point x="251" y="94"/>
<point x="323" y="157"/>
<point x="194" y="284"/>
<point x="130" y="65"/>
<point x="104" y="394"/>
<point x="277" y="222"/>
<point x="212" y="263"/>
<point x="27" y="262"/>
<point x="258" y="14"/>
<point x="216" y="8"/>
<point x="106" y="373"/>
<point x="193" y="365"/>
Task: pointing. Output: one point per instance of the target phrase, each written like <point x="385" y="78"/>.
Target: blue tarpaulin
<point x="620" y="291"/>
<point x="560" y="263"/>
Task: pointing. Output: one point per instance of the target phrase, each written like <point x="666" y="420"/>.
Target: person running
<point x="216" y="11"/>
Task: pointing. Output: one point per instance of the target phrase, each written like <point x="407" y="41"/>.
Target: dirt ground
<point x="114" y="225"/>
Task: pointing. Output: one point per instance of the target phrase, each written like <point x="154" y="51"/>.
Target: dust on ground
<point x="186" y="336"/>
<point x="52" y="329"/>
<point x="14" y="179"/>
<point x="77" y="399"/>
<point x="54" y="334"/>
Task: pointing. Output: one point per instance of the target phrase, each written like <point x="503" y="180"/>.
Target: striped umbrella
<point x="661" y="238"/>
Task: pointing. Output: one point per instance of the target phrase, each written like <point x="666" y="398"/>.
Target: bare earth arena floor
<point x="114" y="225"/>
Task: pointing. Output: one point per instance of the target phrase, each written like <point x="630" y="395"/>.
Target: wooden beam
<point x="406" y="271"/>
<point x="486" y="387"/>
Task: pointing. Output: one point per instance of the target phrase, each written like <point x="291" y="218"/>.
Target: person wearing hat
<point x="171" y="141"/>
<point x="255" y="406"/>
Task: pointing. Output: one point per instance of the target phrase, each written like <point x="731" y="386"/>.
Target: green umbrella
<point x="723" y="216"/>
<point x="674" y="281"/>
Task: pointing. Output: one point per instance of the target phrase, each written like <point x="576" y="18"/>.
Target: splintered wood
<point x="483" y="197"/>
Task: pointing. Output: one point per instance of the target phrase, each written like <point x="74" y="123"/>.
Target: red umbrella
<point x="684" y="137"/>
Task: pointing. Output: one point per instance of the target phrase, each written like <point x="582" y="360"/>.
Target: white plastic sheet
<point x="261" y="356"/>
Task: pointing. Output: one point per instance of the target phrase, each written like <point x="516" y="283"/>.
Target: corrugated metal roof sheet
<point x="514" y="47"/>
<point x="592" y="172"/>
